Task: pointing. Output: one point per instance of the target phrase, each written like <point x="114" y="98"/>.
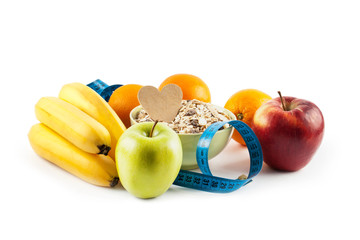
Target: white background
<point x="306" y="49"/>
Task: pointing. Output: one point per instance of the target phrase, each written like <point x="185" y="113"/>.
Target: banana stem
<point x="152" y="129"/>
<point x="114" y="182"/>
<point x="103" y="149"/>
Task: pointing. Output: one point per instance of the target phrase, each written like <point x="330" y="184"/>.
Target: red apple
<point x="290" y="131"/>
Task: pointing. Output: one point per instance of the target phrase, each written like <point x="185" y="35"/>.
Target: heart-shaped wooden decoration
<point x="161" y="106"/>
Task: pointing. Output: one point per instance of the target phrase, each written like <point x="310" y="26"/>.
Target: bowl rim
<point x="227" y="112"/>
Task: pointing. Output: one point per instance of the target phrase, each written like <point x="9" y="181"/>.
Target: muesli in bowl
<point x="193" y="117"/>
<point x="191" y="121"/>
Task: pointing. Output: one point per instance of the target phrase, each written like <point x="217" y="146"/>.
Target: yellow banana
<point x="93" y="104"/>
<point x="96" y="169"/>
<point x="74" y="125"/>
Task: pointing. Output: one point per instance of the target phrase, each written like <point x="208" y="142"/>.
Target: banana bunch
<point x="77" y="132"/>
<point x="94" y="105"/>
<point x="74" y="125"/>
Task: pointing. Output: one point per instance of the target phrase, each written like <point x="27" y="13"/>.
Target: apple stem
<point x="152" y="129"/>
<point x="282" y="101"/>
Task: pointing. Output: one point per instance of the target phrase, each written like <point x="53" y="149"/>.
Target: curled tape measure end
<point x="208" y="182"/>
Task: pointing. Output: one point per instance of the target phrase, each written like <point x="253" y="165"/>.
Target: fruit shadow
<point x="234" y="160"/>
<point x="267" y="170"/>
<point x="231" y="162"/>
<point x="119" y="186"/>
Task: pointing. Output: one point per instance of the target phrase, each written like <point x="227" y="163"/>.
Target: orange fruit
<point x="191" y="86"/>
<point x="244" y="104"/>
<point x="123" y="100"/>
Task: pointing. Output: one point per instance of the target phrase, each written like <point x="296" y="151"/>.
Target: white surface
<point x="306" y="49"/>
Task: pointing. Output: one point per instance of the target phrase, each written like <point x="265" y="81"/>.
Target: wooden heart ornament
<point x="161" y="106"/>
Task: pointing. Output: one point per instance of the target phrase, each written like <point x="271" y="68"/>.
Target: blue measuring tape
<point x="103" y="89"/>
<point x="205" y="181"/>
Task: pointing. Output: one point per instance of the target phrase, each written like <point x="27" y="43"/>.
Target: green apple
<point x="148" y="165"/>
